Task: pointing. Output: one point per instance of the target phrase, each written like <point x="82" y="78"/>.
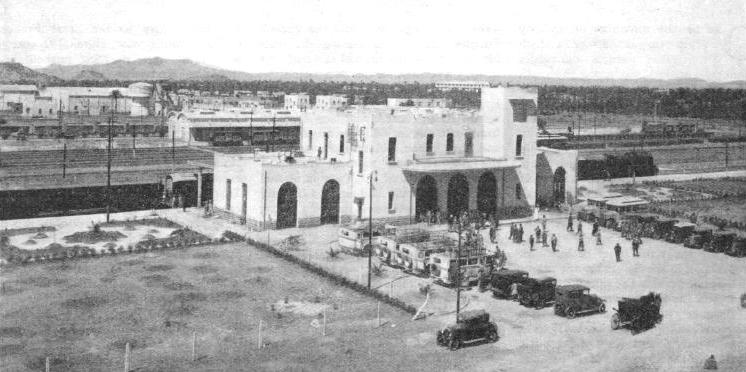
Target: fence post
<point x="194" y="346"/>
<point x="127" y="357"/>
<point x="259" y="339"/>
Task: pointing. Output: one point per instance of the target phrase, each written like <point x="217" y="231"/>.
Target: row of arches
<point x="426" y="194"/>
<point x="287" y="204"/>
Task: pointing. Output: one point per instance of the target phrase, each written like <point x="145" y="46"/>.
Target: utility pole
<point x="64" y="159"/>
<point x="460" y="226"/>
<point x="108" y="167"/>
<point x="370" y="224"/>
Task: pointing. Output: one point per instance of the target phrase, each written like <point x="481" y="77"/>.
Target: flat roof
<point x="625" y="201"/>
<point x="451" y="164"/>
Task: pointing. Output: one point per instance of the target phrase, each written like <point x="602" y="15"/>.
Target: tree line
<point x="711" y="103"/>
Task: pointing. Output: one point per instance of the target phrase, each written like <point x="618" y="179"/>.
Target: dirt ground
<point x="82" y="313"/>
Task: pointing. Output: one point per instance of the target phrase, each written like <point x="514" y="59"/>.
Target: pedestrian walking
<point x="554" y="243"/>
<point x="520" y="233"/>
<point x="580" y="227"/>
<point x="598" y="238"/>
<point x="512" y="232"/>
<point x="569" y="222"/>
<point x="531" y="243"/>
<point x="594" y="231"/>
<point x="618" y="252"/>
<point x="581" y="243"/>
<point x="537" y="231"/>
<point x="544" y="239"/>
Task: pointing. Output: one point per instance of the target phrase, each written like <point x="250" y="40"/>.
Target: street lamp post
<point x="460" y="226"/>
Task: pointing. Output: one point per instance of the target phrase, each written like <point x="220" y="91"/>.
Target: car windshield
<point x="586" y="291"/>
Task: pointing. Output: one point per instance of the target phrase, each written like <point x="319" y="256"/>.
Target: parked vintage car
<point x="571" y="300"/>
<point x="738" y="248"/>
<point x="681" y="232"/>
<point x="473" y="325"/>
<point x="537" y="292"/>
<point x="355" y="240"/>
<point x="663" y="227"/>
<point x="638" y="314"/>
<point x="501" y="280"/>
<point x="700" y="236"/>
<point x="720" y="242"/>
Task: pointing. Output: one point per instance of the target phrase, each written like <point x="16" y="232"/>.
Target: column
<point x="199" y="188"/>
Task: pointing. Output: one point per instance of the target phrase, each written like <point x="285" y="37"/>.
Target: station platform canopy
<point x="454" y="164"/>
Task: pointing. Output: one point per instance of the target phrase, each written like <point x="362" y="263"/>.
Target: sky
<point x="588" y="39"/>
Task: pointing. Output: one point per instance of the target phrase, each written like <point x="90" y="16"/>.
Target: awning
<point x="453" y="164"/>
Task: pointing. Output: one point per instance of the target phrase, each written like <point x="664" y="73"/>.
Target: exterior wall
<point x="548" y="161"/>
<point x="419" y="102"/>
<point x="309" y="179"/>
<point x="24" y="99"/>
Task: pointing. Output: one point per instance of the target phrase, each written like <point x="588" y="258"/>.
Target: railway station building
<point x="402" y="164"/>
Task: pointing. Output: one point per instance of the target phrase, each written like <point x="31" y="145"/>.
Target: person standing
<point x="618" y="252"/>
<point x="554" y="243"/>
<point x="581" y="243"/>
<point x="544" y="239"/>
<point x="594" y="231"/>
<point x="544" y="222"/>
<point x="636" y="246"/>
<point x="580" y="227"/>
<point x="569" y="222"/>
<point x="531" y="242"/>
<point x="512" y="232"/>
<point x="537" y="231"/>
<point x="598" y="238"/>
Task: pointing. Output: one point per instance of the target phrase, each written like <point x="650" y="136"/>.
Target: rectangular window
<point x="359" y="162"/>
<point x="429" y="145"/>
<point x="391" y="200"/>
<point x="449" y="142"/>
<point x="228" y="195"/>
<point x="392" y="148"/>
<point x="341" y="143"/>
<point x="518" y="144"/>
<point x="310" y="139"/>
<point x="518" y="191"/>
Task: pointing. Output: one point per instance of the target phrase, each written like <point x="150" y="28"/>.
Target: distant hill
<point x="89" y="75"/>
<point x="184" y="69"/>
<point x="13" y="72"/>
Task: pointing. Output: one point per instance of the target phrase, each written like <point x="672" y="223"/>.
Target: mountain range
<point x="184" y="69"/>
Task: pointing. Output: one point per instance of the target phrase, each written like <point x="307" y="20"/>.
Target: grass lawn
<point x="82" y="313"/>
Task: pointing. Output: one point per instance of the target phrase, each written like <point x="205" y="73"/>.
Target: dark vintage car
<point x="663" y="227"/>
<point x="681" y="232"/>
<point x="501" y="281"/>
<point x="720" y="242"/>
<point x="537" y="292"/>
<point x="471" y="326"/>
<point x="571" y="300"/>
<point x="738" y="248"/>
<point x="699" y="238"/>
<point x="638" y="314"/>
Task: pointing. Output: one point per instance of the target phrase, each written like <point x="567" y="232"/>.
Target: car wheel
<point x="615" y="322"/>
<point x="571" y="313"/>
<point x="454" y="344"/>
<point x="439" y="338"/>
<point x="492" y="336"/>
<point x="602" y="308"/>
<point x="558" y="310"/>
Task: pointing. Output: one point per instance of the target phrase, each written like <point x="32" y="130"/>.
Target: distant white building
<point x="473" y="86"/>
<point x="419" y="102"/>
<point x="298" y="101"/>
<point x="331" y="101"/>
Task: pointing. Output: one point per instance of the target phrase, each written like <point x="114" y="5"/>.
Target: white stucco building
<point x="417" y="160"/>
<point x="299" y="101"/>
<point x="330" y="101"/>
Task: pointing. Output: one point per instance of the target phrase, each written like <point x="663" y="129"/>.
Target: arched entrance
<point x="487" y="193"/>
<point x="287" y="205"/>
<point x="426" y="198"/>
<point x="458" y="195"/>
<point x="330" y="202"/>
<point x="558" y="185"/>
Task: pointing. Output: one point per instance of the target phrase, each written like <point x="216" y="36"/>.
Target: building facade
<point x="473" y="86"/>
<point x="298" y="101"/>
<point x="331" y="101"/>
<point x="419" y="102"/>
<point x="408" y="162"/>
